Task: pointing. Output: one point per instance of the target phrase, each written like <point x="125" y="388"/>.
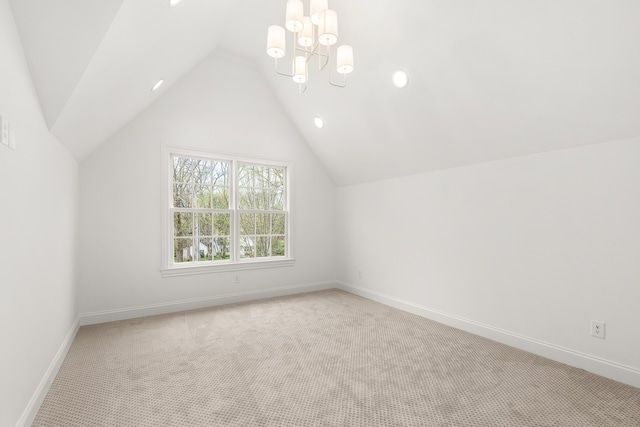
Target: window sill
<point x="225" y="267"/>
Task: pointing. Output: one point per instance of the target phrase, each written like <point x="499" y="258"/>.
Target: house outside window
<point x="224" y="213"/>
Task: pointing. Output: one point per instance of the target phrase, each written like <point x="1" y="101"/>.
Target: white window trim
<point x="169" y="269"/>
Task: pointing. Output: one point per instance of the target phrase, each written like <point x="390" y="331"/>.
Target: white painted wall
<point x="220" y="106"/>
<point x="38" y="223"/>
<point x="535" y="246"/>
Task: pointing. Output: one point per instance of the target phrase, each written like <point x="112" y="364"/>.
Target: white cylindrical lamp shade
<point x="316" y="7"/>
<point x="345" y="59"/>
<point x="294" y="20"/>
<point x="328" y="28"/>
<point x="275" y="41"/>
<point x="305" y="38"/>
<point x="299" y="69"/>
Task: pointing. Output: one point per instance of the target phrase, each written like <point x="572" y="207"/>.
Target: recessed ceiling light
<point x="173" y="3"/>
<point x="157" y="85"/>
<point x="400" y="79"/>
<point x="318" y="122"/>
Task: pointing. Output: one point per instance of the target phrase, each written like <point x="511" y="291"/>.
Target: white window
<point x="224" y="213"/>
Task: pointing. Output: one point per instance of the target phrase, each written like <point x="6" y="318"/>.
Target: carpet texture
<point x="325" y="358"/>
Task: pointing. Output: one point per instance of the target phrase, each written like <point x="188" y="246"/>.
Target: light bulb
<point x="157" y="85"/>
<point x="400" y="79"/>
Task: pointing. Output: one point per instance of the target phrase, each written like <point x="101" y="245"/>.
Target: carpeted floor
<point x="325" y="358"/>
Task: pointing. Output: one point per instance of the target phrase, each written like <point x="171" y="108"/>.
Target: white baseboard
<point x="192" y="304"/>
<point x="606" y="368"/>
<point x="32" y="408"/>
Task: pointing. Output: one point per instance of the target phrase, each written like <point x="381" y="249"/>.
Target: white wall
<point x="536" y="246"/>
<point x="38" y="217"/>
<point x="219" y="106"/>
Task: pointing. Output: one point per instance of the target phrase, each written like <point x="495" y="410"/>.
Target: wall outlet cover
<point x="597" y="329"/>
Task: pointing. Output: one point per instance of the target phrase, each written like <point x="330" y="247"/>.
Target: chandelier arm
<point x="314" y="47"/>
<point x="275" y="67"/>
<point x="344" y="81"/>
<point x="284" y="74"/>
<point x="326" y="56"/>
<point x="307" y="53"/>
<point x="310" y="52"/>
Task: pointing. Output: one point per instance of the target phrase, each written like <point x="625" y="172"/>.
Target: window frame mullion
<point x="233" y="205"/>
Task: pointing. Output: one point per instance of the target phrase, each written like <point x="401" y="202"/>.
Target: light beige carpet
<point x="319" y="359"/>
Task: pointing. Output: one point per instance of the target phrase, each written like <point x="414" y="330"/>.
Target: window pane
<point x="247" y="247"/>
<point x="220" y="197"/>
<point x="205" y="224"/>
<point x="278" y="224"/>
<point x="203" y="196"/>
<point x="276" y="188"/>
<point x="220" y="173"/>
<point x="183" y="224"/>
<point x="221" y="248"/>
<point x="181" y="195"/>
<point x="263" y="246"/>
<point x="277" y="246"/>
<point x="277" y="178"/>
<point x="221" y="224"/>
<point x="205" y="246"/>
<point x="183" y="250"/>
<point x="182" y="169"/>
<point x="263" y="225"/>
<point x="277" y="200"/>
<point x="261" y="199"/>
<point x="202" y="171"/>
<point x="247" y="224"/>
<point x="245" y="198"/>
<point x="245" y="175"/>
<point x="261" y="177"/>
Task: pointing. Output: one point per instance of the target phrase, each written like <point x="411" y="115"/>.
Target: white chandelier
<point x="312" y="35"/>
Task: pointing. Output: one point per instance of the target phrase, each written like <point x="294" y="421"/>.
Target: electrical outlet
<point x="236" y="279"/>
<point x="597" y="329"/>
<point x="359" y="274"/>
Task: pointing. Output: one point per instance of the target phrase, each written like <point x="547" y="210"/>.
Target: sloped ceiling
<point x="94" y="62"/>
<point x="487" y="80"/>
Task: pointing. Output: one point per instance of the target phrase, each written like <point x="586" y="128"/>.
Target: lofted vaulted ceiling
<point x="487" y="80"/>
